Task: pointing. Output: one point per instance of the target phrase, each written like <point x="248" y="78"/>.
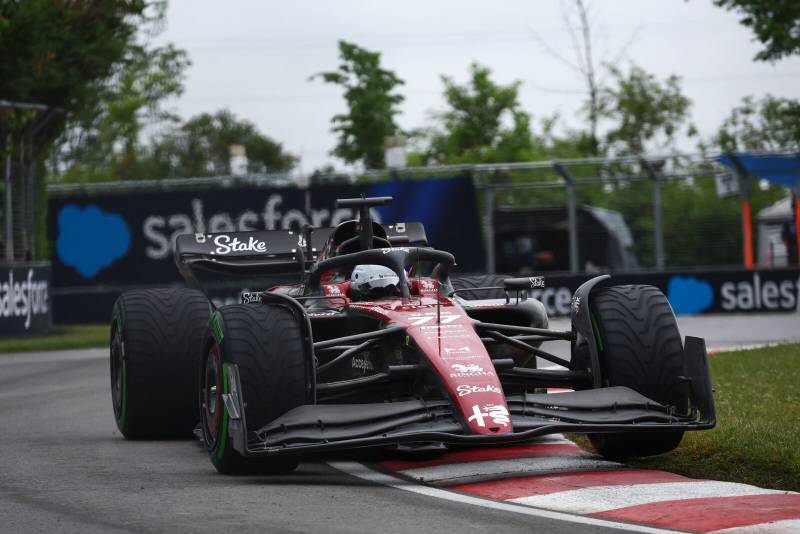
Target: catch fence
<point x="602" y="214"/>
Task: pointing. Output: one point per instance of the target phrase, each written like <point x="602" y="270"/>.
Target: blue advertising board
<point x="119" y="240"/>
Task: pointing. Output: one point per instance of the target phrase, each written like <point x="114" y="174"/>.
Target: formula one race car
<point x="378" y="346"/>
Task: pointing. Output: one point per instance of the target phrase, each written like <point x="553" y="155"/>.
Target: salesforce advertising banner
<point x="24" y="299"/>
<point x="128" y="239"/>
<point x="696" y="292"/>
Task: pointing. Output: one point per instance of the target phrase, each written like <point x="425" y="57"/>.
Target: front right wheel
<point x="265" y="342"/>
<point x="640" y="347"/>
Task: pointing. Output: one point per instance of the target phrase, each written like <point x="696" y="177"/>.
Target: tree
<point x="769" y="124"/>
<point x="589" y="65"/>
<point x="369" y="91"/>
<point x="104" y="141"/>
<point x="644" y="113"/>
<point x="484" y="122"/>
<point x="776" y="23"/>
<point x="57" y="53"/>
<point x="201" y="147"/>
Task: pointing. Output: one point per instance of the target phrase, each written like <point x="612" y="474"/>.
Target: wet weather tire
<point x="265" y="342"/>
<point x="479" y="280"/>
<point x="156" y="337"/>
<point x="640" y="347"/>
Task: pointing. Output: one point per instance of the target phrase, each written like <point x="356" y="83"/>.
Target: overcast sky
<point x="254" y="57"/>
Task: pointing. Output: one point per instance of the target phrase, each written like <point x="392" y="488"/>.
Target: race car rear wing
<point x="268" y="252"/>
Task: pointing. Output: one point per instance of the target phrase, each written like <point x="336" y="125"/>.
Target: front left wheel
<point x="265" y="343"/>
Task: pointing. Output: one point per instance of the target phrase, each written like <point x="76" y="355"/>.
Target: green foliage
<point x="484" y="122"/>
<point x="201" y="147"/>
<point x="776" y="23"/>
<point x="769" y="124"/>
<point x="56" y="52"/>
<point x="643" y="112"/>
<point x="60" y="337"/>
<point x="369" y="91"/>
<point x="104" y="141"/>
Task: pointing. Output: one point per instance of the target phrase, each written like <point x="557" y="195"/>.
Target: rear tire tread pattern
<point x="163" y="333"/>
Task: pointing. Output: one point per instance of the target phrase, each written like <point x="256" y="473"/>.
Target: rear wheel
<point x="641" y="348"/>
<point x="156" y="335"/>
<point x="265" y="342"/>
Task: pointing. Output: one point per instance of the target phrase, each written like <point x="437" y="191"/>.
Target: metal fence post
<point x="747" y="216"/>
<point x="797" y="219"/>
<point x="488" y="216"/>
<point x="9" y="214"/>
<point x="572" y="217"/>
<point x="658" y="226"/>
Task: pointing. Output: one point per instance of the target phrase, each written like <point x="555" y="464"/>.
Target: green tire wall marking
<point x="597" y="336"/>
<point x="216" y="327"/>
<point x="599" y="339"/>
<point x="118" y="318"/>
<point x="222" y="436"/>
<point x="123" y="405"/>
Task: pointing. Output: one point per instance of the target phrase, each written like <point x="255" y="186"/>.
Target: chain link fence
<point x="23" y="202"/>
<point x="681" y="211"/>
<point x="604" y="214"/>
<point x="18" y="212"/>
<point x="620" y="214"/>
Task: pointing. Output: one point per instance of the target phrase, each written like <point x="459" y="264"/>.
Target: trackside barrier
<point x="25" y="299"/>
<point x="694" y="292"/>
<point x="689" y="292"/>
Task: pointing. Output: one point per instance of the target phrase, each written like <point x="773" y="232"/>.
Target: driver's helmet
<point x="373" y="281"/>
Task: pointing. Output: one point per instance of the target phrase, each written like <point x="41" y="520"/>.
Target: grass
<point x="757" y="438"/>
<point x="60" y="337"/>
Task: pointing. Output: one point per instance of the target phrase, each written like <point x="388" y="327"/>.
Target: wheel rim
<point x="117" y="375"/>
<point x="211" y="394"/>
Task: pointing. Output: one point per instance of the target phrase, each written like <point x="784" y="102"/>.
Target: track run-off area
<point x="65" y="468"/>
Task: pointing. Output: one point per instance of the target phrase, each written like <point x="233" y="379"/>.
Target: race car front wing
<point x="325" y="427"/>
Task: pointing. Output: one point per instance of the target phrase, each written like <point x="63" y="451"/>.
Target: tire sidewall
<point x="117" y="335"/>
<point x="218" y="448"/>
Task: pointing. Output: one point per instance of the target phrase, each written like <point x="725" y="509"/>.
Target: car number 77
<point x="417" y="321"/>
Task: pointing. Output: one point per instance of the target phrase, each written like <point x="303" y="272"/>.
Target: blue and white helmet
<point x="372" y="281"/>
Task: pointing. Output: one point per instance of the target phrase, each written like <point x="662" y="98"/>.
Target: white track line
<point x="747" y="346"/>
<point x="361" y="471"/>
<point x="495" y="469"/>
<point x="785" y="526"/>
<point x="601" y="498"/>
<point x="552" y="438"/>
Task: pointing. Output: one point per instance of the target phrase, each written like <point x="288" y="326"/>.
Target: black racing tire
<point x="265" y="341"/>
<point x="641" y="348"/>
<point x="479" y="280"/>
<point x="156" y="335"/>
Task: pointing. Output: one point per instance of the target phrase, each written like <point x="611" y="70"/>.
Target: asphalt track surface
<point x="65" y="468"/>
